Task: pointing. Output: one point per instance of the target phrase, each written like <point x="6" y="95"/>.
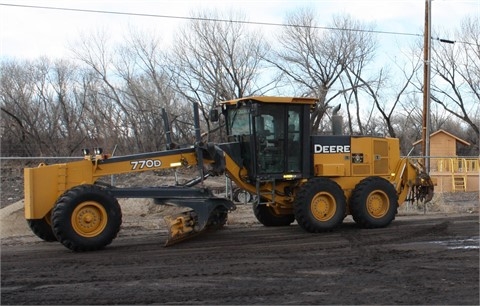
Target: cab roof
<point x="272" y="99"/>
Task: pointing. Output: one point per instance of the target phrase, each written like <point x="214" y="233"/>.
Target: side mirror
<point x="214" y="115"/>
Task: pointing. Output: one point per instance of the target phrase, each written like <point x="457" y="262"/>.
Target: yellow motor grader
<point x="270" y="152"/>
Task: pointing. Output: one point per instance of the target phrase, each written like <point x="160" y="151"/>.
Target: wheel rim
<point x="378" y="204"/>
<point x="89" y="219"/>
<point x="323" y="206"/>
<point x="244" y="197"/>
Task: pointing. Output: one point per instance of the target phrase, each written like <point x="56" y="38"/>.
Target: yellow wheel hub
<point x="378" y="204"/>
<point x="323" y="206"/>
<point x="89" y="219"/>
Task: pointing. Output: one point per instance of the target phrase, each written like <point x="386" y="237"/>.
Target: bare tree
<point x="456" y="74"/>
<point x="97" y="54"/>
<point x="40" y="108"/>
<point x="141" y="64"/>
<point x="408" y="124"/>
<point x="126" y="86"/>
<point x="362" y="46"/>
<point x="324" y="63"/>
<point x="214" y="60"/>
<point x="387" y="92"/>
<point x="18" y="118"/>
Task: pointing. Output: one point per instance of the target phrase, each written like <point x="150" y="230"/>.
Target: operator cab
<point x="273" y="133"/>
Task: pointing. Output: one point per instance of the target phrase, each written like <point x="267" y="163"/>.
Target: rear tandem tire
<point x="86" y="218"/>
<point x="374" y="202"/>
<point x="320" y="205"/>
<point x="267" y="216"/>
<point x="218" y="218"/>
<point x="42" y="228"/>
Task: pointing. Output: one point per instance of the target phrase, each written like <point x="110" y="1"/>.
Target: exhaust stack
<point x="337" y="121"/>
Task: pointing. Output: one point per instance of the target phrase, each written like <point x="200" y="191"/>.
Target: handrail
<point x="453" y="164"/>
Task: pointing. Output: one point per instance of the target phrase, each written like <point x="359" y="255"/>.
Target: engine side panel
<point x="344" y="156"/>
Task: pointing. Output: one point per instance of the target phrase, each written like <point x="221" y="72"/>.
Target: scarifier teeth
<point x="181" y="227"/>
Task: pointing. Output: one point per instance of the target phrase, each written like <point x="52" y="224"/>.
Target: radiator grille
<point x="380" y="163"/>
<point x="361" y="169"/>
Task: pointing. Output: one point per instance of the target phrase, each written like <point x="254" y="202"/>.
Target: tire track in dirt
<point x="252" y="264"/>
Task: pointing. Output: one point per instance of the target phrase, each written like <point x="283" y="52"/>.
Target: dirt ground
<point x="428" y="257"/>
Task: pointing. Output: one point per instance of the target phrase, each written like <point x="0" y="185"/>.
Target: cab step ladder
<point x="270" y="192"/>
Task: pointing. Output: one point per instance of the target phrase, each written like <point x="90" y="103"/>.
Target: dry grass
<point x="448" y="203"/>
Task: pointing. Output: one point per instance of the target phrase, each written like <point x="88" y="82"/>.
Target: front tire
<point x="374" y="202"/>
<point x="42" y="228"/>
<point x="86" y="218"/>
<point x="320" y="205"/>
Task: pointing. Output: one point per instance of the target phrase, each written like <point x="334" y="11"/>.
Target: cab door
<point x="278" y="140"/>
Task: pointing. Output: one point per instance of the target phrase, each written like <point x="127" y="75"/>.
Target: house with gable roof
<point x="451" y="172"/>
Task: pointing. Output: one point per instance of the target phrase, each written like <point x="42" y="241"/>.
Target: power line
<point x="227" y="21"/>
<point x="207" y="19"/>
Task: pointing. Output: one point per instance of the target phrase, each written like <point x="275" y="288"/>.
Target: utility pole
<point x="426" y="85"/>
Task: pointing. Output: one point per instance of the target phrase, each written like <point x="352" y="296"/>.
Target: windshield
<point x="239" y="121"/>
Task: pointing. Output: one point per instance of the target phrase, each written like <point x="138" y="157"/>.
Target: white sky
<point x="27" y="33"/>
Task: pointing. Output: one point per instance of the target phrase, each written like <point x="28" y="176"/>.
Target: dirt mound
<point x="138" y="214"/>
